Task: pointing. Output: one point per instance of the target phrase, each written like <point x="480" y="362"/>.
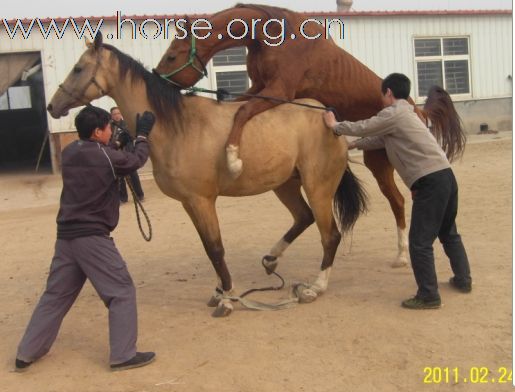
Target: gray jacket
<point x="411" y="148"/>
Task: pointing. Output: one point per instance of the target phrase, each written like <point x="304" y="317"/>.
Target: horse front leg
<point x="202" y="212"/>
<point x="245" y="113"/>
<point x="382" y="169"/>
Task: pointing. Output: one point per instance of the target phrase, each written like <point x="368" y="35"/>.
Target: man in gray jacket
<point x="424" y="168"/>
<point x="88" y="213"/>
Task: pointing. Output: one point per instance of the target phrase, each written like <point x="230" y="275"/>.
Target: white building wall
<point x="59" y="55"/>
<point x="384" y="43"/>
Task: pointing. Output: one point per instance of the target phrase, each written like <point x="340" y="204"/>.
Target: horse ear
<point x="89" y="44"/>
<point x="98" y="40"/>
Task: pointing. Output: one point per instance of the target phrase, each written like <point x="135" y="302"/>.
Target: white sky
<point x="45" y="8"/>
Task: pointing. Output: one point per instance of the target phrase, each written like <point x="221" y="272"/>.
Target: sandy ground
<point x="354" y="338"/>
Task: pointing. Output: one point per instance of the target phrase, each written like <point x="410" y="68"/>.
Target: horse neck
<point x="210" y="46"/>
<point x="131" y="97"/>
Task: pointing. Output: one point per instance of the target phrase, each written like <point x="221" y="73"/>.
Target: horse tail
<point x="350" y="200"/>
<point x="447" y="126"/>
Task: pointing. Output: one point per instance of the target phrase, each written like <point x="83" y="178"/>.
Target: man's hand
<point x="122" y="139"/>
<point x="351" y="146"/>
<point x="330" y="119"/>
<point x="144" y="123"/>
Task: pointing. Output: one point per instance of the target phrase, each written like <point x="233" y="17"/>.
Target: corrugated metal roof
<point x="311" y="13"/>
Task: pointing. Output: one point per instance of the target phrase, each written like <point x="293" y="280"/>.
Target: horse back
<point x="282" y="142"/>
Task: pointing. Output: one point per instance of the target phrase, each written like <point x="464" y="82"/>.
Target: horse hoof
<point x="307" y="296"/>
<point x="214" y="301"/>
<point x="399" y="263"/>
<point x="223" y="309"/>
<point x="304" y="293"/>
<point x="317" y="289"/>
<point x="270" y="263"/>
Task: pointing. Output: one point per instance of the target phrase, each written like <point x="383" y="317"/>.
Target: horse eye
<point x="171" y="58"/>
<point x="77" y="69"/>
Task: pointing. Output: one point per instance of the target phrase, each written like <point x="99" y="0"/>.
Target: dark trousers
<point x="136" y="184"/>
<point x="435" y="205"/>
<point x="97" y="259"/>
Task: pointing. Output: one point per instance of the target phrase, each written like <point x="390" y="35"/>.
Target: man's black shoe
<point x="21" y="366"/>
<point x="419" y="303"/>
<point x="463" y="287"/>
<point x="140" y="359"/>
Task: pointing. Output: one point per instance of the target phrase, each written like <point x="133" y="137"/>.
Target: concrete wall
<point x="497" y="113"/>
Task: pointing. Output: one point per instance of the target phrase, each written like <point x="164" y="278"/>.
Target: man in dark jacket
<point x="89" y="211"/>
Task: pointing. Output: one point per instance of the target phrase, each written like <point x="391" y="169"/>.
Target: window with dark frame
<point x="443" y="61"/>
<point x="231" y="69"/>
<point x="16" y="97"/>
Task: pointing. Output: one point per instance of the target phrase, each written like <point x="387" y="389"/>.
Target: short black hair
<point x="89" y="119"/>
<point x="398" y="83"/>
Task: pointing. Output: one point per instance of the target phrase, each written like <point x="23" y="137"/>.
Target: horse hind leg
<point x="248" y="110"/>
<point x="320" y="199"/>
<point x="203" y="215"/>
<point x="381" y="168"/>
<point x="290" y="195"/>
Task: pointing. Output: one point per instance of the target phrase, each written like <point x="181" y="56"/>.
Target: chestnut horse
<point x="304" y="68"/>
<point x="188" y="159"/>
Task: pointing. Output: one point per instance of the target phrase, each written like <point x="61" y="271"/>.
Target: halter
<point x="191" y="62"/>
<point x="80" y="97"/>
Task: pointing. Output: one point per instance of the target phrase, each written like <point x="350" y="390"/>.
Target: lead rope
<point x="293" y="299"/>
<point x="138" y="206"/>
<point x="221" y="94"/>
<point x="270" y="288"/>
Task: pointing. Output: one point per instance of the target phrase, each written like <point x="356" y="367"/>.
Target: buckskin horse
<point x="306" y="68"/>
<point x="188" y="157"/>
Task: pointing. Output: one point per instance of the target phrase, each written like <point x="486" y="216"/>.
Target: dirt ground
<point x="356" y="337"/>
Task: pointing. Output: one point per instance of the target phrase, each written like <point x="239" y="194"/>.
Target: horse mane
<point x="447" y="126"/>
<point x="165" y="99"/>
<point x="270" y="11"/>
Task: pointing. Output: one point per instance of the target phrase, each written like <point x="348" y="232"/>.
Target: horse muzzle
<point x="56" y="113"/>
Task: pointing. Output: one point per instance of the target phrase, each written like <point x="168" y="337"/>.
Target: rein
<point x="191" y="62"/>
<point x="222" y="94"/>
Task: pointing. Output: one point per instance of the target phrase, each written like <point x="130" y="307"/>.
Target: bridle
<point x="80" y="96"/>
<point x="190" y="63"/>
